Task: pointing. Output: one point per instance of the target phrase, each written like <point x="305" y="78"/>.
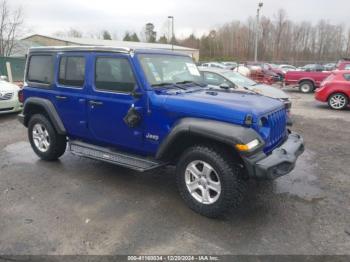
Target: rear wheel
<point x="45" y="141"/>
<point x="338" y="101"/>
<point x="208" y="181"/>
<point x="306" y="87"/>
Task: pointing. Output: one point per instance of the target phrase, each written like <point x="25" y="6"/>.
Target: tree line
<point x="280" y="40"/>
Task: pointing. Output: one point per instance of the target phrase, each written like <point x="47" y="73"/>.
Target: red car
<point x="335" y="90"/>
<point x="308" y="81"/>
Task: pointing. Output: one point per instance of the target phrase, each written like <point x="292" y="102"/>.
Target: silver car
<point x="222" y="78"/>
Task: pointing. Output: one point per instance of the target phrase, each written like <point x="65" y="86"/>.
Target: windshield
<point x="238" y="79"/>
<point x="169" y="69"/>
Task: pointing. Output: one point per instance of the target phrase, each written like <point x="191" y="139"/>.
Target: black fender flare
<point x="49" y="109"/>
<point x="223" y="132"/>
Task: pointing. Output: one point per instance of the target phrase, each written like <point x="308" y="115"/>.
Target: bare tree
<point x="10" y="23"/>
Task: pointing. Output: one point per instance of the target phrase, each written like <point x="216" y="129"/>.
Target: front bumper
<point x="279" y="163"/>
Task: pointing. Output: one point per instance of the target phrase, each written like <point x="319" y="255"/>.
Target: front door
<point x="71" y="89"/>
<point x="110" y="100"/>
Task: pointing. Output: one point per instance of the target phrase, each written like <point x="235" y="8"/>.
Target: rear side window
<point x="114" y="74"/>
<point x="40" y="69"/>
<point x="347" y="67"/>
<point x="72" y="71"/>
<point x="347" y="77"/>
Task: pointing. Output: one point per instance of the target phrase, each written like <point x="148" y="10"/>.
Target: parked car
<point x="144" y="109"/>
<point x="335" y="90"/>
<point x="276" y="69"/>
<point x="266" y="70"/>
<point x="9" y="101"/>
<point x="215" y="65"/>
<point x="308" y="81"/>
<point x="286" y="68"/>
<point x="243" y="70"/>
<point x="312" y="68"/>
<point x="330" y="66"/>
<point x="234" y="80"/>
<point x="230" y="65"/>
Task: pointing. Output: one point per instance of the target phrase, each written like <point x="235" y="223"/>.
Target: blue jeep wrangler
<point x="144" y="109"/>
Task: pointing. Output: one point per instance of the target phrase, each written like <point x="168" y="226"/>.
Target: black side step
<point x="118" y="158"/>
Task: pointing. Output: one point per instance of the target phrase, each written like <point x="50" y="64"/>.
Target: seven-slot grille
<point x="277" y="123"/>
<point x="6" y="96"/>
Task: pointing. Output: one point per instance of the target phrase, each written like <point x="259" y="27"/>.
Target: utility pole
<point x="172" y="32"/>
<point x="260" y="5"/>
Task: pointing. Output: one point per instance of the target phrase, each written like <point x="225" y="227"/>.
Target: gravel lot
<point x="81" y="206"/>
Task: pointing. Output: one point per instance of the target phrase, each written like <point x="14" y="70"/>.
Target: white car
<point x="9" y="102"/>
<point x="286" y="68"/>
<point x="214" y="64"/>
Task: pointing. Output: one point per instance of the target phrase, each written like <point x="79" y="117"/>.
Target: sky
<point x="191" y="16"/>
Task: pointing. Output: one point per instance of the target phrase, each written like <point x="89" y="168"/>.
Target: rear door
<point x="71" y="86"/>
<point x="110" y="100"/>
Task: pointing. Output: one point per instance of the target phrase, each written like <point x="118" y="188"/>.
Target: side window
<point x="72" y="71"/>
<point x="40" y="69"/>
<point x="347" y="77"/>
<point x="114" y="74"/>
<point x="347" y="67"/>
<point x="214" y="79"/>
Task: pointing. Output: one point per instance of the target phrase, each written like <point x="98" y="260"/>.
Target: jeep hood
<point x="220" y="105"/>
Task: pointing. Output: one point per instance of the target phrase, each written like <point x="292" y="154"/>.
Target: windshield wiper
<point x="163" y="84"/>
<point x="168" y="84"/>
<point x="191" y="82"/>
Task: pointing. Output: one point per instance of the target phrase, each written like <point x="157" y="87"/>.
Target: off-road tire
<point x="58" y="142"/>
<point x="345" y="103"/>
<point x="233" y="186"/>
<point x="306" y="87"/>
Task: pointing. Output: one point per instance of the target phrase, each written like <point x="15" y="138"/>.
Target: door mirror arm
<point x="135" y="93"/>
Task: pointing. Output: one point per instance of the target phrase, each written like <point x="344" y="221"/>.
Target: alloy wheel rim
<point x="338" y="101"/>
<point x="41" y="138"/>
<point x="202" y="182"/>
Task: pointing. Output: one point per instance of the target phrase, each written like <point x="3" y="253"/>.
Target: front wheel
<point x="208" y="181"/>
<point x="338" y="101"/>
<point x="45" y="141"/>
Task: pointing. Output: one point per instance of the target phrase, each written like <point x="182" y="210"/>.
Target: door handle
<point x="95" y="103"/>
<point x="61" y="97"/>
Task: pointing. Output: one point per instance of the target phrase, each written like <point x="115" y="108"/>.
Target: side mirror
<point x="225" y="86"/>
